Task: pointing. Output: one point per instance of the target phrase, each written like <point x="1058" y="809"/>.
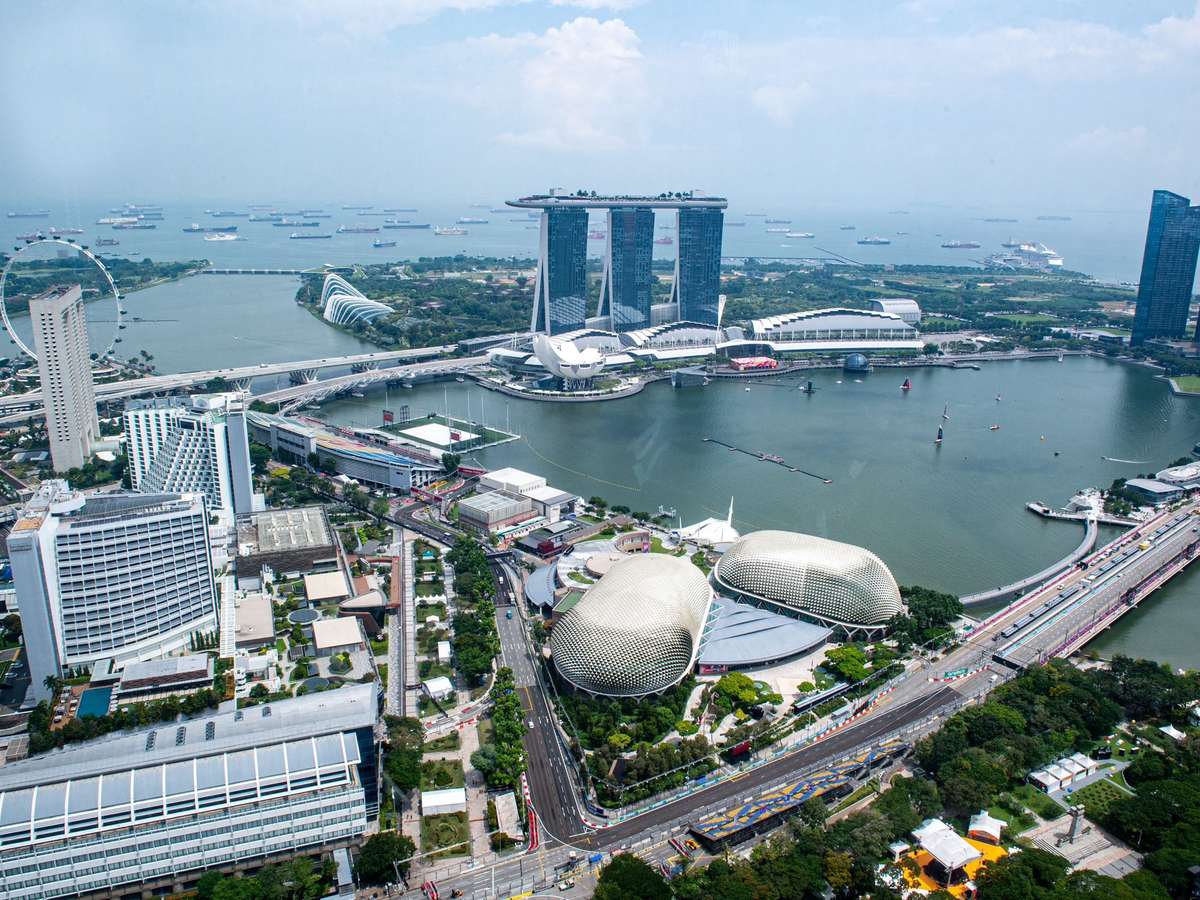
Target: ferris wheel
<point x="83" y="251"/>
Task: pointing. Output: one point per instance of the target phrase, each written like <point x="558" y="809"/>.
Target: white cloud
<point x="578" y="87"/>
<point x="611" y="5"/>
<point x="361" y="18"/>
<point x="781" y="102"/>
<point x="1176" y="33"/>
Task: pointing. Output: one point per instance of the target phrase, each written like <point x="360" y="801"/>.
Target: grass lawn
<point x="443" y="744"/>
<point x="431" y="668"/>
<point x="379" y="647"/>
<point x="1098" y="796"/>
<point x="938" y="322"/>
<point x="446" y="830"/>
<point x="1037" y="801"/>
<point x="1187" y="383"/>
<point x="861" y="791"/>
<point x="591" y="520"/>
<point x="487" y="732"/>
<point x="1009" y="810"/>
<point x="431" y="609"/>
<point x="382" y="667"/>
<point x="580" y="578"/>
<point x="430" y="589"/>
<point x="437" y="774"/>
<point x="1028" y="318"/>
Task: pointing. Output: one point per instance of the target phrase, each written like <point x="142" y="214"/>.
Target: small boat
<point x="358" y="394"/>
<point x="668" y="512"/>
<point x="747" y="390"/>
<point x="460" y="379"/>
<point x="907" y="386"/>
<point x="378" y="244"/>
<point x="994" y="428"/>
<point x="946" y="413"/>
<point x="940" y="435"/>
<point x="808" y="388"/>
<point x="997" y="398"/>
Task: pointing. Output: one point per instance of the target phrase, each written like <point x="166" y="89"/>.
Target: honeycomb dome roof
<point x="637" y="631"/>
<point x="831" y="581"/>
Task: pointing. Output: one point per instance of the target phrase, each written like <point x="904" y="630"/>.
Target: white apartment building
<point x="148" y="810"/>
<point x="192" y="444"/>
<point x="65" y="368"/>
<point x="109" y="576"/>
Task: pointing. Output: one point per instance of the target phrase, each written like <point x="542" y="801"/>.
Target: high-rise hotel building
<point x="109" y="576"/>
<point x="1168" y="269"/>
<point x="60" y="341"/>
<point x="194" y="444"/>
<point x="561" y="292"/>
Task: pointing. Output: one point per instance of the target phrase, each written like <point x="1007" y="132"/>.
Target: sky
<point x="958" y="103"/>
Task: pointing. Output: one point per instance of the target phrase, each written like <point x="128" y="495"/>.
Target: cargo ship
<point x="1054" y="218"/>
<point x="398" y="209"/>
<point x="799" y="234"/>
<point x="294" y="223"/>
<point x="471" y="220"/>
<point x="266" y="217"/>
<point x="106" y="242"/>
<point x="229" y="214"/>
<point x="778" y="221"/>
<point x="29" y="214"/>
<point x="961" y="245"/>
<point x="296" y="236"/>
<point x="356" y="208"/>
<point x="31" y="236"/>
<point x="142" y="226"/>
<point x="874" y="240"/>
<point x="117" y="220"/>
<point x="405" y="224"/>
<point x="357" y="229"/>
<point x="450" y="231"/>
<point x="378" y="243"/>
<point x="55" y="232"/>
<point x="779" y="231"/>
<point x="848" y="227"/>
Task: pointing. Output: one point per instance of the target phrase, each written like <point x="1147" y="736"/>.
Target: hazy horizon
<point x="1030" y="107"/>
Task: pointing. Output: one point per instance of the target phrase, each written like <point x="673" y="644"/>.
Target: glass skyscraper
<point x="625" y="294"/>
<point x="698" y="264"/>
<point x="1168" y="268"/>
<point x="560" y="289"/>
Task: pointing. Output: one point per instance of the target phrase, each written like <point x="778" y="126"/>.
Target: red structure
<point x="746" y="363"/>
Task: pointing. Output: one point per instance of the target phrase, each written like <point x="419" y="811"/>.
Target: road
<point x="316" y="390"/>
<point x="552" y="778"/>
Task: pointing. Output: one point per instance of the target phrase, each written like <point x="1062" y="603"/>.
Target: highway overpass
<point x="302" y="370"/>
<point x="314" y="391"/>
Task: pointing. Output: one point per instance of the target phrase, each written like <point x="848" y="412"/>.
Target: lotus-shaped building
<point x="566" y="360"/>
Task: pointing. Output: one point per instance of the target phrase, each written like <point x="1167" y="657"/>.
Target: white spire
<point x="729" y="518"/>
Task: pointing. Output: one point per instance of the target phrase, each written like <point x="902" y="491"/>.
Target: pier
<point x="768" y="458"/>
<point x="1091" y="531"/>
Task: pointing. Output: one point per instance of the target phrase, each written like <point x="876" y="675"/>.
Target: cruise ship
<point x="222" y="236"/>
<point x="1026" y="256"/>
<point x="449" y="231"/>
<point x="874" y="240"/>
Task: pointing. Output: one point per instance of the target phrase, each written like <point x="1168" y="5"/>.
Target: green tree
<point x="12" y="625"/>
<point x="451" y="462"/>
<point x="260" y="455"/>
<point x="381" y="855"/>
<point x="380" y="508"/>
<point x="1029" y="875"/>
<point x="627" y="877"/>
<point x="405" y="747"/>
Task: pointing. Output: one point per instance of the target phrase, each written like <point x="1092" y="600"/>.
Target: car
<point x="566" y="884"/>
<point x="508" y="614"/>
<point x="691" y="845"/>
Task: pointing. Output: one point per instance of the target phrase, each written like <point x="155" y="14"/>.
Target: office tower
<point x="560" y="288"/>
<point x="109" y="576"/>
<point x="192" y="444"/>
<point x="697" y="284"/>
<point x="65" y="368"/>
<point x="1168" y="268"/>
<point x="625" y="290"/>
<point x="144" y="812"/>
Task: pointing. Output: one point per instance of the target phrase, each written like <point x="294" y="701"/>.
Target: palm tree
<point x="52" y="683"/>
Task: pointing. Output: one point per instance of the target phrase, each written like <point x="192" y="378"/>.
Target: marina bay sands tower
<point x="560" y="288"/>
